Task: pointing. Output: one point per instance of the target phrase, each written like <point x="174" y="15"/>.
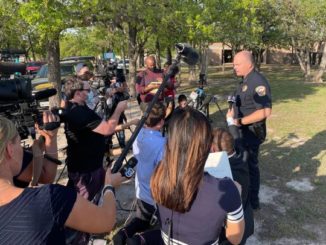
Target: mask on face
<point x="152" y="69"/>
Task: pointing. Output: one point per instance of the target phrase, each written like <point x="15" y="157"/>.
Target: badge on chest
<point x="244" y="88"/>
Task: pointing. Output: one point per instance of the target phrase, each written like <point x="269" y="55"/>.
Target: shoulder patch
<point x="261" y="90"/>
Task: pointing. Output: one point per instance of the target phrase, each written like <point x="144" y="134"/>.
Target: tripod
<point x="205" y="106"/>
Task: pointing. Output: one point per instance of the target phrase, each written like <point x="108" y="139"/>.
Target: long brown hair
<point x="175" y="181"/>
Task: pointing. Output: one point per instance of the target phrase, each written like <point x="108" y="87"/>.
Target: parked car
<point x="33" y="67"/>
<point x="80" y="59"/>
<point x="67" y="68"/>
<point x="121" y="64"/>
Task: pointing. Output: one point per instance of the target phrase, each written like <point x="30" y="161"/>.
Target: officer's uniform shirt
<point x="252" y="94"/>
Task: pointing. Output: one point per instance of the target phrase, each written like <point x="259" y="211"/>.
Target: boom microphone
<point x="44" y="94"/>
<point x="189" y="55"/>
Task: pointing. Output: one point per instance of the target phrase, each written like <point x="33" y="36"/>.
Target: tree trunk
<point x="31" y="46"/>
<point x="133" y="54"/>
<point x="54" y="76"/>
<point x="168" y="55"/>
<point x="222" y="58"/>
<point x="192" y="74"/>
<point x="322" y="66"/>
<point x="141" y="60"/>
<point x="300" y="59"/>
<point x="300" y="56"/>
<point x="158" y="53"/>
<point x="307" y="63"/>
<point x="203" y="67"/>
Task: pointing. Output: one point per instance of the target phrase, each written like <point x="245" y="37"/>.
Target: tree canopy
<point x="133" y="28"/>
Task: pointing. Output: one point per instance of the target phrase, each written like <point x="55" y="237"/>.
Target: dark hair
<point x="156" y="114"/>
<point x="72" y="85"/>
<point x="176" y="179"/>
<point x="181" y="98"/>
<point x="86" y="76"/>
<point x="223" y="140"/>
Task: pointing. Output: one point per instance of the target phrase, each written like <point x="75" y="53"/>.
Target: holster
<point x="259" y="129"/>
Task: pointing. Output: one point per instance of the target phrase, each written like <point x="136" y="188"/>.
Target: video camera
<point x="19" y="104"/>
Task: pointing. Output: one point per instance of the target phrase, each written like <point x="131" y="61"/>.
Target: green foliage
<point x="83" y="42"/>
<point x="11" y="27"/>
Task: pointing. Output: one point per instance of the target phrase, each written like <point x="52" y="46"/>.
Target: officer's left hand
<point x="230" y="113"/>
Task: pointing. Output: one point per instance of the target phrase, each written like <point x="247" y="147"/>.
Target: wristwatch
<point x="108" y="188"/>
<point x="240" y="121"/>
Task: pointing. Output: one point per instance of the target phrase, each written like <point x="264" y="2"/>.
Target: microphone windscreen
<point x="44" y="94"/>
<point x="189" y="55"/>
<point x="132" y="162"/>
<point x="231" y="99"/>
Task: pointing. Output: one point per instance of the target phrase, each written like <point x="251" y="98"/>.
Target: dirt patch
<point x="303" y="184"/>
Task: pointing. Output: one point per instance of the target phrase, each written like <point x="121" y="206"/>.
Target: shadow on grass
<point x="287" y="159"/>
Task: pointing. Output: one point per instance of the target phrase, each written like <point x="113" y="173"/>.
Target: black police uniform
<point x="252" y="94"/>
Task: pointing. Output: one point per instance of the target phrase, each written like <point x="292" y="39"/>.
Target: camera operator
<point x="148" y="81"/>
<point x="118" y="86"/>
<point x="85" y="132"/>
<point x="35" y="167"/>
<point x="38" y="215"/>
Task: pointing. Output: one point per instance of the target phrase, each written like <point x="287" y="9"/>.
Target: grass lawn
<point x="295" y="149"/>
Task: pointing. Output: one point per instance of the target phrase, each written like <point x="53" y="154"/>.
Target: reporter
<point x="38" y="215"/>
<point x="187" y="197"/>
<point x="35" y="168"/>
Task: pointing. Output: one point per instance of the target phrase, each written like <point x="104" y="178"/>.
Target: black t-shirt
<point x="252" y="94"/>
<point x="86" y="148"/>
<point x="37" y="216"/>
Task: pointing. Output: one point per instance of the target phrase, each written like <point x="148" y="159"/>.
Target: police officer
<point x="253" y="104"/>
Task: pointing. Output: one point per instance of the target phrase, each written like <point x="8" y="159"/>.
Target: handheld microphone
<point x="190" y="55"/>
<point x="44" y="94"/>
<point x="128" y="169"/>
<point x="231" y="101"/>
